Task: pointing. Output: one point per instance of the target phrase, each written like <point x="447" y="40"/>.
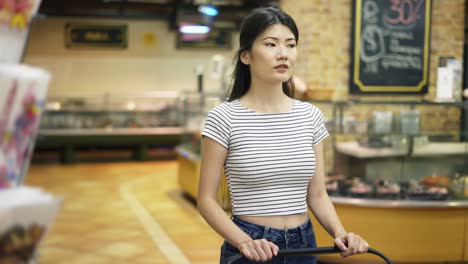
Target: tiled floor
<point x="128" y="212"/>
<point x="123" y="212"/>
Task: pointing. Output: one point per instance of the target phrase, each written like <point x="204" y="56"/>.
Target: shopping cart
<point x="313" y="251"/>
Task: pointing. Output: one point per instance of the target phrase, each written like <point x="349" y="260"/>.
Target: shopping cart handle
<point x="313" y="251"/>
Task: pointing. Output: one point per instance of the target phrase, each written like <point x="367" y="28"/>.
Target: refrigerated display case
<point x="195" y="107"/>
<point x="139" y="121"/>
<point x="397" y="174"/>
<point x="396" y="148"/>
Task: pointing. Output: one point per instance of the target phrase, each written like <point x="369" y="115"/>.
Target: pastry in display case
<point x="332" y="187"/>
<point x="360" y="189"/>
<point x="418" y="191"/>
<point x="387" y="190"/>
<point x="334" y="184"/>
<point x="408" y="150"/>
<point x="403" y="174"/>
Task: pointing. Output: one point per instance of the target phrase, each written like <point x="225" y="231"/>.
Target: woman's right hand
<point x="259" y="250"/>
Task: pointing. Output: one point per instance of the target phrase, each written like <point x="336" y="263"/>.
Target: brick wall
<point x="324" y="28"/>
<point x="324" y="45"/>
<point x="324" y="57"/>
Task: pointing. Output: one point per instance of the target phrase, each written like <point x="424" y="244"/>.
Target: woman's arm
<point x="324" y="211"/>
<point x="212" y="164"/>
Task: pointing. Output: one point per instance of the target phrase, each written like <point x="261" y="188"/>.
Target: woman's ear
<point x="245" y="57"/>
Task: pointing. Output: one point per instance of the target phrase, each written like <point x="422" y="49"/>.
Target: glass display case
<point x="137" y="120"/>
<point x="400" y="150"/>
<point x="396" y="171"/>
<point x="106" y="111"/>
<point x="194" y="109"/>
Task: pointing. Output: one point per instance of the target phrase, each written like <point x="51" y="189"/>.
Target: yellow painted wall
<point x="150" y="63"/>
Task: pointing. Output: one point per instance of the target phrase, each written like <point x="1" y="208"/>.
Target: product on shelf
<point x="17" y="244"/>
<point x="25" y="89"/>
<point x="15" y="17"/>
<point x="26" y="214"/>
<point x="437" y="180"/>
<point x="360" y="189"/>
<point x="332" y="187"/>
<point x="459" y="186"/>
<point x="386" y="190"/>
<point x="418" y="191"/>
<point x="333" y="184"/>
<point x="439" y="191"/>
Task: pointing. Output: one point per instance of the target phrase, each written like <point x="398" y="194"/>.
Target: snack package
<point x="22" y="93"/>
<point x="15" y="18"/>
<point x="26" y="214"/>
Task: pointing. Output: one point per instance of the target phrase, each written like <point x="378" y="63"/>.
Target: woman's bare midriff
<point x="277" y="221"/>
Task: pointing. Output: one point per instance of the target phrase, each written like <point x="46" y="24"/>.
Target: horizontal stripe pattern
<point x="270" y="158"/>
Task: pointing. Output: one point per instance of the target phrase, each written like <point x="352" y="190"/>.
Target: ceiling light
<point x="194" y="29"/>
<point x="208" y="10"/>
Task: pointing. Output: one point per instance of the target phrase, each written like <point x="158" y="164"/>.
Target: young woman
<point x="270" y="146"/>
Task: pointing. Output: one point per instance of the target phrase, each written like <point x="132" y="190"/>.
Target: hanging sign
<point x="92" y="35"/>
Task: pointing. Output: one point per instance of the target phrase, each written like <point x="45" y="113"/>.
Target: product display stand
<point x="26" y="213"/>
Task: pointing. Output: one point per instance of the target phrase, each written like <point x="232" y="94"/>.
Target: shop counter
<point x="407" y="231"/>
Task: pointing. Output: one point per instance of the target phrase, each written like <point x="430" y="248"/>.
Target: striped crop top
<point x="270" y="157"/>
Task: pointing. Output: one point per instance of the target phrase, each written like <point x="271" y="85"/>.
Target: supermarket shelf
<point x="355" y="150"/>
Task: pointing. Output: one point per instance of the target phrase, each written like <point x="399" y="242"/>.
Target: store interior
<point x="118" y="138"/>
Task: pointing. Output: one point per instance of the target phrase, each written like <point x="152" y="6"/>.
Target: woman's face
<point x="273" y="55"/>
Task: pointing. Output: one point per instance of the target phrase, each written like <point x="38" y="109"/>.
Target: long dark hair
<point x="251" y="27"/>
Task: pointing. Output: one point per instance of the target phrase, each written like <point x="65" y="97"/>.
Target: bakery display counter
<point x="406" y="231"/>
<point x="136" y="122"/>
<point x="396" y="173"/>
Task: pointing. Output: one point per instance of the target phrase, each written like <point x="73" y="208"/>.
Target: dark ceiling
<point x="170" y="10"/>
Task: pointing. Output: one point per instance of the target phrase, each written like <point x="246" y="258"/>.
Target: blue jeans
<point x="302" y="236"/>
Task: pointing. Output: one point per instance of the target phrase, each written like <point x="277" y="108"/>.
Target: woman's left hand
<point x="350" y="244"/>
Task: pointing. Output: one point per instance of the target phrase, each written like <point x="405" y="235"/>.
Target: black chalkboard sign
<point x="390" y="46"/>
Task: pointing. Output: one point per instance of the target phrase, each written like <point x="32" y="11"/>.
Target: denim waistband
<point x="274" y="234"/>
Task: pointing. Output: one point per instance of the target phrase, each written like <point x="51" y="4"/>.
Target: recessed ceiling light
<point x="194" y="29"/>
<point x="208" y="10"/>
